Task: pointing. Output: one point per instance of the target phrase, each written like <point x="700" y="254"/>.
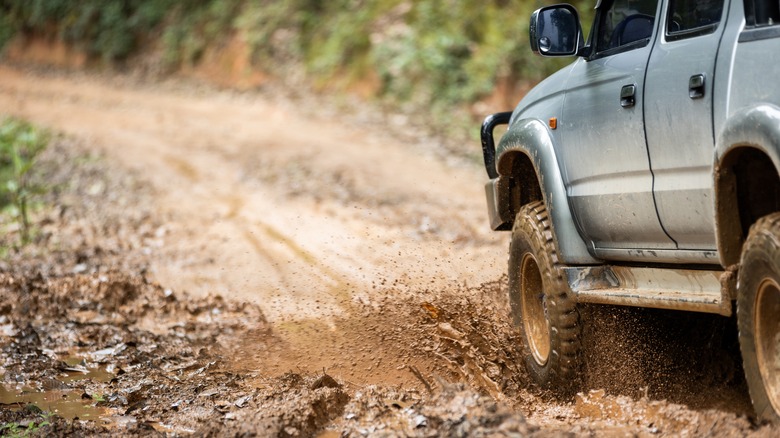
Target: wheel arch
<point x="747" y="181"/>
<point x="528" y="171"/>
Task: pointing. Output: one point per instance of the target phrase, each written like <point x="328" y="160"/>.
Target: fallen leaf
<point x="432" y="310"/>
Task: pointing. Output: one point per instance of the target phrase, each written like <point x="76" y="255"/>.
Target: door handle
<point x="628" y="96"/>
<point x="696" y="86"/>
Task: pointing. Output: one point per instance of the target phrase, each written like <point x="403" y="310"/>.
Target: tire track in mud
<point x="312" y="258"/>
<point x="273" y="246"/>
<point x="357" y="248"/>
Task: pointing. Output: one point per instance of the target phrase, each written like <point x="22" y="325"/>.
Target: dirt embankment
<point x="245" y="263"/>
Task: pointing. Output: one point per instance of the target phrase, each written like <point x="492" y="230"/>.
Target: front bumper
<point x="498" y="208"/>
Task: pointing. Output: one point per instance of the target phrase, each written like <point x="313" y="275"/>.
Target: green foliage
<point x="16" y="430"/>
<point x="443" y="57"/>
<point x="110" y="29"/>
<point x="431" y="54"/>
<point x="194" y="25"/>
<point x="273" y="31"/>
<point x="7" y="28"/>
<point x="20" y="144"/>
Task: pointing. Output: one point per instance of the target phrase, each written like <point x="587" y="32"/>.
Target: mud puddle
<point x="59" y="397"/>
<point x="68" y="404"/>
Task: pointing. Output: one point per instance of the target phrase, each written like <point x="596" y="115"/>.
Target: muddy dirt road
<point x="268" y="204"/>
<point x="367" y="259"/>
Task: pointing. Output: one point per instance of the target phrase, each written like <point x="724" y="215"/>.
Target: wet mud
<point x="181" y="283"/>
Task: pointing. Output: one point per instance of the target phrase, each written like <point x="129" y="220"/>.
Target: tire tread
<point x="561" y="372"/>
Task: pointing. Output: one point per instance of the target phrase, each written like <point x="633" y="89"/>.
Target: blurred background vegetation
<point x="421" y="55"/>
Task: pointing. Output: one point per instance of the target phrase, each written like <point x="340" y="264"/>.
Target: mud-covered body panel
<point x="646" y="182"/>
<point x="532" y="138"/>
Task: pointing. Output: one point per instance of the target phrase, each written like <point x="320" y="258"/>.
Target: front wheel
<point x="543" y="306"/>
<point x="758" y="316"/>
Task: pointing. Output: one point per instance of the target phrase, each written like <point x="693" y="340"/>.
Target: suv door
<point x="604" y="153"/>
<point x="679" y="121"/>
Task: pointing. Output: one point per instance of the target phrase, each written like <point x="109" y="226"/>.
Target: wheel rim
<point x="767" y="337"/>
<point x="534" y="312"/>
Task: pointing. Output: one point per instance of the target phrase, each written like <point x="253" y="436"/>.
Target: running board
<point x="677" y="289"/>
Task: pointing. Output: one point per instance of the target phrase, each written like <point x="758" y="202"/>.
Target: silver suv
<point x="646" y="174"/>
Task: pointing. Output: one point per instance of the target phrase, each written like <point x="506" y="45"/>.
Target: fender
<point x="532" y="138"/>
<point x="754" y="128"/>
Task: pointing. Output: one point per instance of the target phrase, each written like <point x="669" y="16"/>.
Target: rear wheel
<point x="758" y="316"/>
<point x="543" y="307"/>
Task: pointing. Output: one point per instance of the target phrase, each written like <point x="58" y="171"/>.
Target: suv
<point x="645" y="174"/>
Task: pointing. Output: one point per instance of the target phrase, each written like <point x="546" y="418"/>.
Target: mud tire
<point x="542" y="305"/>
<point x="758" y="316"/>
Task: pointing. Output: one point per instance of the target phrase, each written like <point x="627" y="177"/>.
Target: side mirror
<point x="556" y="31"/>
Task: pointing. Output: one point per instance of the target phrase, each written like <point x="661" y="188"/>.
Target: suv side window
<point x="762" y="13"/>
<point x="625" y="24"/>
<point x="688" y="18"/>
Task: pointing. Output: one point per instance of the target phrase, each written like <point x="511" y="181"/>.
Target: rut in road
<point x="301" y="214"/>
